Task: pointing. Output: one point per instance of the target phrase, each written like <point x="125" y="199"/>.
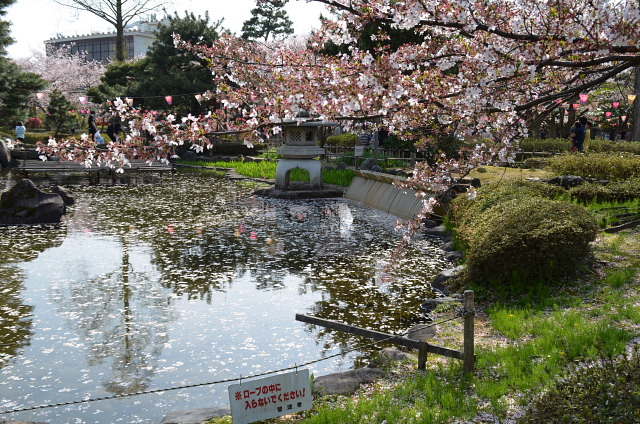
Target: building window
<point x="100" y="49"/>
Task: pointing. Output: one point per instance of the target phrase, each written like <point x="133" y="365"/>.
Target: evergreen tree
<point x="15" y="85"/>
<point x="268" y="20"/>
<point x="58" y="112"/>
<point x="166" y="70"/>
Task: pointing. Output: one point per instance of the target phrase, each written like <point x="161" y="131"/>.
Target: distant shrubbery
<point x="343" y="140"/>
<point x="235" y="149"/>
<point x="598" y="145"/>
<point x="616" y="192"/>
<point x="34" y="123"/>
<point x="615" y="167"/>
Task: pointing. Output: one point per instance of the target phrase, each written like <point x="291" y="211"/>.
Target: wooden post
<point x="468" y="348"/>
<point x="422" y="356"/>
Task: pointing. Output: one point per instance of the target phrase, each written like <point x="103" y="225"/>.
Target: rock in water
<point x="5" y="156"/>
<point x="24" y="203"/>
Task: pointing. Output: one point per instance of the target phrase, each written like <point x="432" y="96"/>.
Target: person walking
<point x="20" y="131"/>
<point x="93" y="125"/>
<point x="578" y="133"/>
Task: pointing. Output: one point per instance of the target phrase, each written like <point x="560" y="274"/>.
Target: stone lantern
<point x="299" y="150"/>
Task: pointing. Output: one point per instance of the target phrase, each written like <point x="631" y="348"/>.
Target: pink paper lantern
<point x="169" y="99"/>
<point x="616" y="104"/>
<point x="607" y="114"/>
<point x="583" y="98"/>
<point x="576" y="106"/>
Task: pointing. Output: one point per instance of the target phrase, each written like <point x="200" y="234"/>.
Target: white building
<point x="101" y="46"/>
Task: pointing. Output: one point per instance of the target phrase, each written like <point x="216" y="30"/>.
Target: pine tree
<point x="58" y="111"/>
<point x="15" y="85"/>
<point x="269" y="20"/>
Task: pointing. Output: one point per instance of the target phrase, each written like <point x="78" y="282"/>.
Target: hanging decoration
<point x="608" y="114"/>
<point x="40" y="96"/>
<point x="583" y="98"/>
<point x="615" y="105"/>
<point x="631" y="98"/>
<point x="576" y="106"/>
<point x="169" y="99"/>
<point x="623" y="118"/>
<point x="83" y="99"/>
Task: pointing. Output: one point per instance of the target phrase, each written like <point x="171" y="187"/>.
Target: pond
<point x="189" y="281"/>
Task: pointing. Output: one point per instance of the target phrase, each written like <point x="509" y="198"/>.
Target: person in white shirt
<point x="20" y="131"/>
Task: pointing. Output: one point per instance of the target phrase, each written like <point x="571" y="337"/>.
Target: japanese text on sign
<point x="270" y="397"/>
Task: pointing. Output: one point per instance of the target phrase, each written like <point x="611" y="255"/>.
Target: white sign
<point x="359" y="151"/>
<point x="282" y="394"/>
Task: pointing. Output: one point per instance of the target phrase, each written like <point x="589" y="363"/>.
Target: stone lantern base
<point x="313" y="166"/>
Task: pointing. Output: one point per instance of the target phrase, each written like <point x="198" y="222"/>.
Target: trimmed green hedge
<point x="614" y="167"/>
<point x="598" y="145"/>
<point x="345" y="140"/>
<point x="616" y="192"/>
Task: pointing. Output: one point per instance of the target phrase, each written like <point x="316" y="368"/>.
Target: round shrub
<point x="601" y="392"/>
<point x="464" y="210"/>
<point x="530" y="239"/>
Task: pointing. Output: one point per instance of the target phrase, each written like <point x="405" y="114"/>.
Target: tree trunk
<point x="635" y="108"/>
<point x="120" y="44"/>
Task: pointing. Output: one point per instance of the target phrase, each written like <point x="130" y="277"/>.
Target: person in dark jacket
<point x="114" y="130"/>
<point x="93" y="125"/>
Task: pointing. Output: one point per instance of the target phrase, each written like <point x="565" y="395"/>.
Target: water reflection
<point x="15" y="316"/>
<point x="121" y="319"/>
<point x="192" y="280"/>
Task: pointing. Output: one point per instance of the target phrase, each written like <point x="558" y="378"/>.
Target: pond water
<point x="188" y="281"/>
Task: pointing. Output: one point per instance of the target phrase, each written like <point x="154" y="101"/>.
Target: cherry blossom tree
<point x="482" y="70"/>
<point x="71" y="74"/>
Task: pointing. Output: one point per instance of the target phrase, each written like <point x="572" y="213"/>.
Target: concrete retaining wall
<point x="377" y="191"/>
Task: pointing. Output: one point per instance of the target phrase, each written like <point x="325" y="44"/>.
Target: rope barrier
<point x="459" y="314"/>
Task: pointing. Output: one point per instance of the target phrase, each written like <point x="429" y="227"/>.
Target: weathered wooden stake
<point x="422" y="356"/>
<point x="468" y="348"/>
